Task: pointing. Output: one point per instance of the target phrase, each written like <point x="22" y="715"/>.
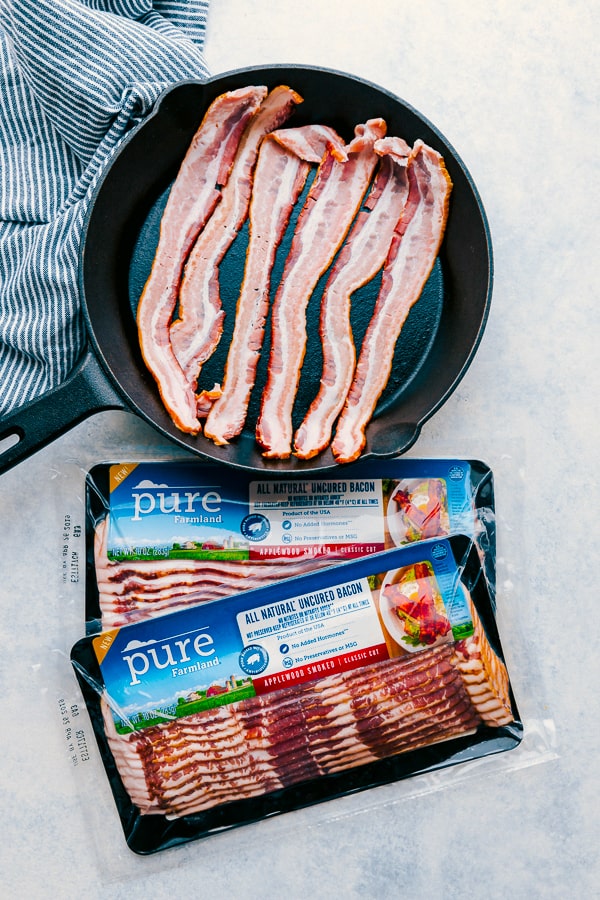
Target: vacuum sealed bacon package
<point x="354" y="675"/>
<point x="162" y="536"/>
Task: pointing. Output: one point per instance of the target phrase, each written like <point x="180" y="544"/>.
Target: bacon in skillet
<point x="360" y="259"/>
<point x="192" y="199"/>
<point x="197" y="331"/>
<point x="332" y="203"/>
<point x="281" y="171"/>
<point x="413" y="252"/>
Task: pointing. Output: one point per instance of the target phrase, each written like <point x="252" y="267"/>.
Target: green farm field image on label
<point x="195" y="702"/>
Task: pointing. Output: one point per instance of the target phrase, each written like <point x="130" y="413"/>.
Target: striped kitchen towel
<point x="75" y="76"/>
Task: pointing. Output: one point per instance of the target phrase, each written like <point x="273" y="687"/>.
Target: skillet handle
<point x="86" y="391"/>
<point x="392" y="440"/>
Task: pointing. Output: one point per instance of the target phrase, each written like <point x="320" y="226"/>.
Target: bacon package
<point x="162" y="536"/>
<point x="352" y="676"/>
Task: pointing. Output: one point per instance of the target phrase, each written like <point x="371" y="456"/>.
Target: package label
<point x="175" y="511"/>
<point x="182" y="510"/>
<point x="341" y="618"/>
<point x="342" y="517"/>
<point x="327" y="630"/>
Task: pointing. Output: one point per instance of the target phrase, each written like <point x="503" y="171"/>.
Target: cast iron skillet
<point x="437" y="343"/>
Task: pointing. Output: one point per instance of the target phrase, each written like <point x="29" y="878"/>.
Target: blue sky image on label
<point x="199" y="646"/>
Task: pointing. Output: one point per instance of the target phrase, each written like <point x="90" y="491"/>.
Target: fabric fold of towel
<point x="75" y="77"/>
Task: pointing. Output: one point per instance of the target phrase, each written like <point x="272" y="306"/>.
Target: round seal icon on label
<point x="254" y="659"/>
<point x="255" y="527"/>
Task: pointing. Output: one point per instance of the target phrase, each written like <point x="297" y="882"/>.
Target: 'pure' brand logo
<point x="146" y="502"/>
<point x="173" y="652"/>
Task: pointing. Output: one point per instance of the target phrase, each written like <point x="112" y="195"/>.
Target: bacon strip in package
<point x="350" y="676"/>
<point x="163" y="536"/>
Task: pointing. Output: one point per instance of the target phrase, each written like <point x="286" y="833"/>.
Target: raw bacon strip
<point x="196" y="333"/>
<point x="281" y="171"/>
<point x="117" y="608"/>
<point x="141" y="603"/>
<point x="207" y="574"/>
<point x="199" y="571"/>
<point x="332" y="203"/>
<point x="484" y="674"/>
<point x="411" y="258"/>
<point x="132" y="590"/>
<point x="154" y="573"/>
<point x="192" y="199"/>
<point x="360" y="259"/>
<point x="309" y="142"/>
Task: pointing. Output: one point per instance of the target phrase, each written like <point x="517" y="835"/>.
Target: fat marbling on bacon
<point x="197" y="330"/>
<point x="205" y="212"/>
<point x="332" y="203"/>
<point x="256" y="746"/>
<point x="132" y="590"/>
<point x="192" y="199"/>
<point x="412" y="254"/>
<point x="281" y="171"/>
<point x="361" y="257"/>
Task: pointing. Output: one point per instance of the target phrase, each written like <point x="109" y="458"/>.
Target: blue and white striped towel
<point x="75" y="75"/>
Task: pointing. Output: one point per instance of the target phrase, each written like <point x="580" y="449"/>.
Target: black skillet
<point x="435" y="348"/>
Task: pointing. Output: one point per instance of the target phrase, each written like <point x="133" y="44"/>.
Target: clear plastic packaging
<point x="310" y="688"/>
<point x="496" y="552"/>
